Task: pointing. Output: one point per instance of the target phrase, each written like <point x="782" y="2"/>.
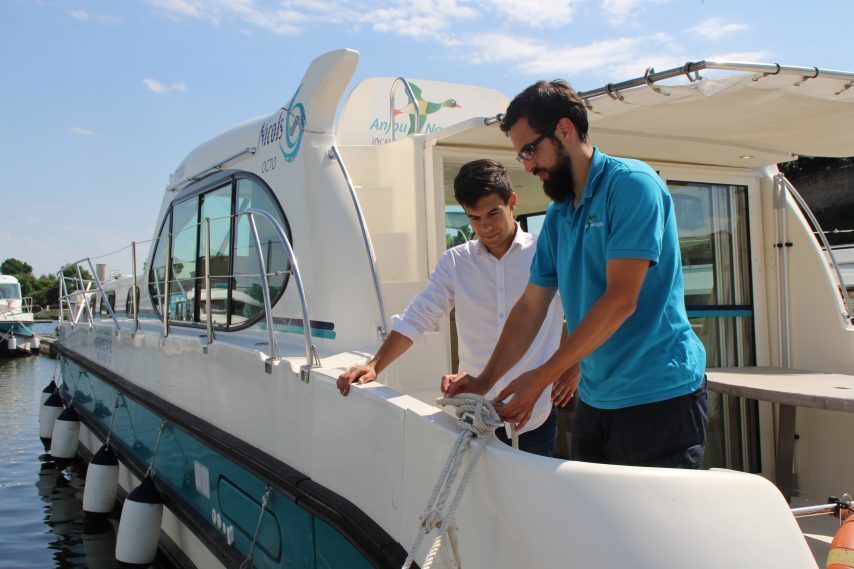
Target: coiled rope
<point x="478" y="419"/>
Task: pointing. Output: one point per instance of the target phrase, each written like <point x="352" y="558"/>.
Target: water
<point x="41" y="517"/>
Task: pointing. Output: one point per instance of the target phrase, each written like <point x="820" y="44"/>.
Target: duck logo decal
<point x="425" y="108"/>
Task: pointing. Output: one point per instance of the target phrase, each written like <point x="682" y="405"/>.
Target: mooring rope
<point x="478" y="419"/>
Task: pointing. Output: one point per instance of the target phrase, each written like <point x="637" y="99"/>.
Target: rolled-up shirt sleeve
<point x="431" y="304"/>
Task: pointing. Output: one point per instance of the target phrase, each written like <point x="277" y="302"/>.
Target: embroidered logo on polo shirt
<point x="592" y="221"/>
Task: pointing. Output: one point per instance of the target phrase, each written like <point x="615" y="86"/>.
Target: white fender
<point x="102" y="478"/>
<point x="139" y="526"/>
<point x="47" y="392"/>
<point x="66" y="432"/>
<point x="12" y="342"/>
<point x="35" y="343"/>
<point x="48" y="413"/>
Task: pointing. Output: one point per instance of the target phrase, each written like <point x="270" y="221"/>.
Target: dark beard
<point x="560" y="186"/>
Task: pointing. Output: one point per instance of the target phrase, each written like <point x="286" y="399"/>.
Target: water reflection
<point x="43" y="524"/>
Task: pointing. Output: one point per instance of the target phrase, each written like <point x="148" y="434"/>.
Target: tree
<point x="15" y="267"/>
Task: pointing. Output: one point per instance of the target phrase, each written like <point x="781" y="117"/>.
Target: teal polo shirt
<point x="625" y="212"/>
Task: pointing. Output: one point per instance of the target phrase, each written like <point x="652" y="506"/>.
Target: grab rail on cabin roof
<point x="694" y="67"/>
<point x="366" y="238"/>
<point x="786" y="185"/>
<point x="412" y="99"/>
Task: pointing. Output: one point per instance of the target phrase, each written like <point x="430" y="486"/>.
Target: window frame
<point x="226" y="178"/>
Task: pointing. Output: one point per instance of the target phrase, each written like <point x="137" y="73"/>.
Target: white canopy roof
<point x="743" y="120"/>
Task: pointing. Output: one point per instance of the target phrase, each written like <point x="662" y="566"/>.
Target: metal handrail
<point x="134" y="299"/>
<point x="312" y="359"/>
<point x="310" y="353"/>
<point x="97" y="282"/>
<point x="366" y="238"/>
<point x="846" y="299"/>
<point x="208" y="303"/>
<point x="613" y="89"/>
<point x="104" y="298"/>
<point x="412" y="99"/>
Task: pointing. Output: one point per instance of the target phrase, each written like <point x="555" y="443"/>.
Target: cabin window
<point x="247" y="295"/>
<point x="216" y="206"/>
<point x="236" y="295"/>
<point x="715" y="248"/>
<point x="130" y="308"/>
<point x="157" y="273"/>
<point x="111" y="302"/>
<point x="10" y="291"/>
<point x="182" y="283"/>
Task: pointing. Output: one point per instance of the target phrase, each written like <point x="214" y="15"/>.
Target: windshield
<point x="10" y="290"/>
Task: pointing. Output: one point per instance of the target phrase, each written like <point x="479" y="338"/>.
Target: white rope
<point x="478" y="418"/>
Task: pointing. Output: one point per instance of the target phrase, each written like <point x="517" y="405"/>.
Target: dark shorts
<point x="537" y="441"/>
<point x="670" y="433"/>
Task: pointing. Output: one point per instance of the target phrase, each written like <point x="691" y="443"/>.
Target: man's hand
<point x="463" y="383"/>
<point x="564" y="387"/>
<point x="525" y="390"/>
<point x="356" y="374"/>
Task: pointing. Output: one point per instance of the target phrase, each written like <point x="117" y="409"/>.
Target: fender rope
<point x="478" y="419"/>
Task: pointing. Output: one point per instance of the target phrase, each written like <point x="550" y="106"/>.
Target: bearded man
<point x="609" y="244"/>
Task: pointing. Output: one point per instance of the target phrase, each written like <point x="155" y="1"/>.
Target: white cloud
<point x="156" y="86"/>
<point x="427" y="19"/>
<point x="618" y="58"/>
<point x="716" y="28"/>
<point x="82" y="131"/>
<point x="81" y="15"/>
<point x="180" y="7"/>
<point x="276" y="20"/>
<point x="501" y="48"/>
<point x="744" y="56"/>
<point x="537" y="13"/>
<point x="619" y="12"/>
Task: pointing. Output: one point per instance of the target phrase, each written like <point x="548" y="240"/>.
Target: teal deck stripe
<point x="746" y="313"/>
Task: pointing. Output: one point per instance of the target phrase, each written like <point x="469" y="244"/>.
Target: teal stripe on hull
<point x="221" y="492"/>
<point x="15" y="327"/>
<point x="291" y="329"/>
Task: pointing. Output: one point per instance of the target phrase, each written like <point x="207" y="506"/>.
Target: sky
<point x="102" y="99"/>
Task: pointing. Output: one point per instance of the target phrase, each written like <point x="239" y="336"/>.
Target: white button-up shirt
<point x="484" y="289"/>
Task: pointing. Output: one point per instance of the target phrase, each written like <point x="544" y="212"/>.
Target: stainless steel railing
<point x="311" y="357"/>
<point x="366" y="238"/>
<point x="78" y="300"/>
<point x="82" y="294"/>
<point x="782" y="187"/>
<point x="412" y="99"/>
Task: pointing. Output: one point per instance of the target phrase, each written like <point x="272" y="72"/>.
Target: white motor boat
<point x="284" y="244"/>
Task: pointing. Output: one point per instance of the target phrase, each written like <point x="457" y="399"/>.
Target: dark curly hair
<point x="544" y="103"/>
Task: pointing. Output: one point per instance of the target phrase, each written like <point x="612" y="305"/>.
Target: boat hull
<point x="214" y="484"/>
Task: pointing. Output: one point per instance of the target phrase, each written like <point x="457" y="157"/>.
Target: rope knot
<point x="431" y="519"/>
<point x="475" y="413"/>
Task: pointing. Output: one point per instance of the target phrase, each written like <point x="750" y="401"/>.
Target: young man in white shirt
<point x="482" y="279"/>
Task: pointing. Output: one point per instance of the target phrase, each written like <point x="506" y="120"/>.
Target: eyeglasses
<point x="527" y="152"/>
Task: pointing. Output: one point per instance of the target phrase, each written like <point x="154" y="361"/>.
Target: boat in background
<point x="283" y="245"/>
<point x="16" y="314"/>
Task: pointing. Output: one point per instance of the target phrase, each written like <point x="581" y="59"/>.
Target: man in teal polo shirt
<point x="609" y="244"/>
